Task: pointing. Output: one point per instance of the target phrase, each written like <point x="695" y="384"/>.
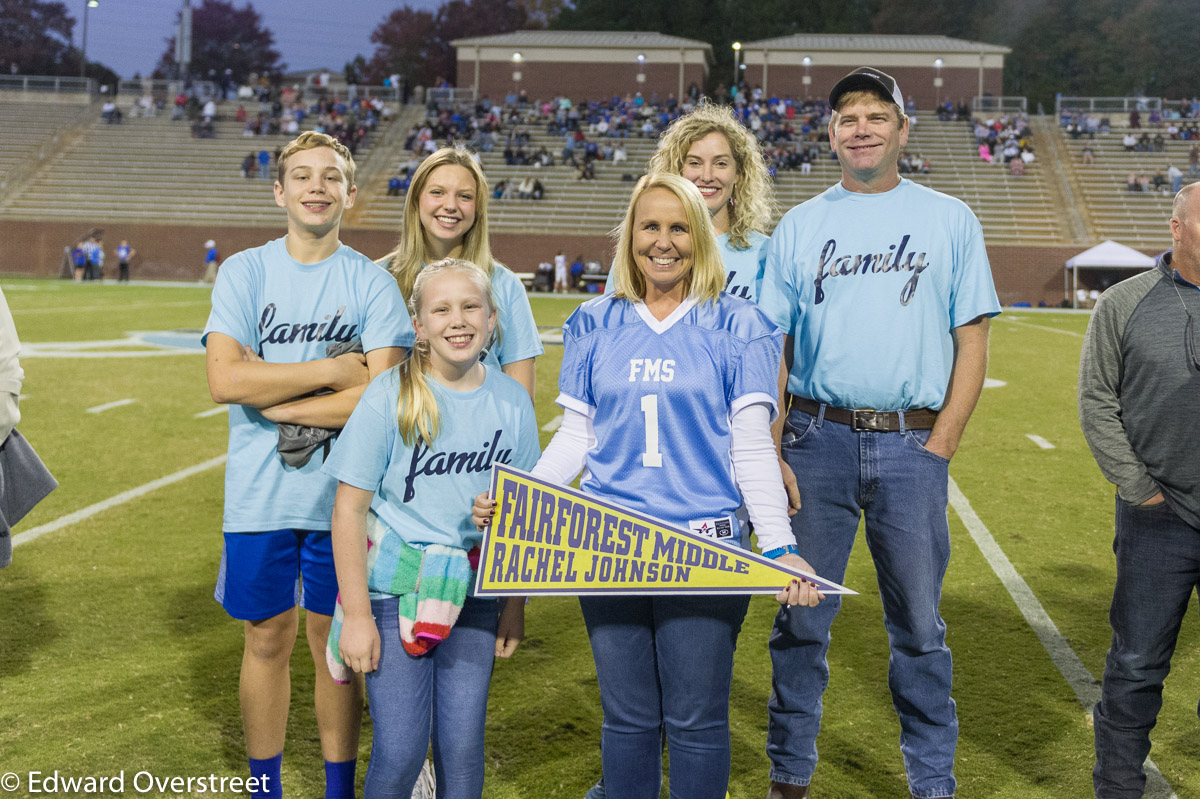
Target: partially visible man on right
<point x="1139" y="382"/>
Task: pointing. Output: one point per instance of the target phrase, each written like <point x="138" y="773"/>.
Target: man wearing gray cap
<point x="883" y="290"/>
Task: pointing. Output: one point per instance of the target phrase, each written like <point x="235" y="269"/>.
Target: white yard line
<point x="114" y="501"/>
<point x="1041" y="442"/>
<point x="1042" y="327"/>
<point x="217" y="411"/>
<point x="553" y="424"/>
<point x="134" y="306"/>
<point x="1085" y="686"/>
<point x="108" y="406"/>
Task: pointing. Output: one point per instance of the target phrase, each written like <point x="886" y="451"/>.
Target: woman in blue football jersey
<point x="668" y="388"/>
<point x="405" y="545"/>
<point x="710" y="148"/>
<point x="445" y="216"/>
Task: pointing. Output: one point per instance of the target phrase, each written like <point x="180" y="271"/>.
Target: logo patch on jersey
<point x="719" y="527"/>
<point x="651" y="370"/>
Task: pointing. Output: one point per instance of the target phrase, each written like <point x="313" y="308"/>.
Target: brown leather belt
<point x="867" y="420"/>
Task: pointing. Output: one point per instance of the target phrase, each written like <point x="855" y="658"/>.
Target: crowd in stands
<point x="1006" y="139"/>
<point x="1149" y="130"/>
<point x="1171" y="124"/>
<point x="285" y="111"/>
<point x="592" y="132"/>
<point x="793" y="133"/>
<point x="1169" y="183"/>
<point x="267" y="109"/>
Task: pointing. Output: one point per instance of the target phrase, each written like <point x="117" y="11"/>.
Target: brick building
<point x="584" y="65"/>
<point x="930" y="69"/>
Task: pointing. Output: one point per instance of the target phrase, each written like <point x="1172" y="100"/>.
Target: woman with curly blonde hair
<point x="713" y="150"/>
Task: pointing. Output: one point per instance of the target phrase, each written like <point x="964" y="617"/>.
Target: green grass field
<point x="113" y="655"/>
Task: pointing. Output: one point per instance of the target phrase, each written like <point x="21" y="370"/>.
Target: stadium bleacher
<point x="28" y="127"/>
<point x="1137" y="219"/>
<point x="1011" y="209"/>
<point x="150" y="169"/>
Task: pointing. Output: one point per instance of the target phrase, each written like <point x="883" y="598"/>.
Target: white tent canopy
<point x="1109" y="255"/>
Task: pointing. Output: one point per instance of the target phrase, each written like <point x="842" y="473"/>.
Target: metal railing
<point x="47" y="83"/>
<point x="989" y="103"/>
<point x="165" y="90"/>
<point x="389" y="94"/>
<point x="1101" y="105"/>
<point x="448" y="98"/>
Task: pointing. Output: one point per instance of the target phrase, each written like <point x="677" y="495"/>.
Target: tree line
<point x="1073" y="47"/>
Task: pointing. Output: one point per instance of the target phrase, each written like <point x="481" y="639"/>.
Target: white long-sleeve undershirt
<point x="755" y="467"/>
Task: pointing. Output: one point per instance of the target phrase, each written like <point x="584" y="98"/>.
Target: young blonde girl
<point x="418" y="447"/>
<point x="445" y="216"/>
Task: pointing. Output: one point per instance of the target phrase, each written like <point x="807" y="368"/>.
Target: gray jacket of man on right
<point x="1139" y="393"/>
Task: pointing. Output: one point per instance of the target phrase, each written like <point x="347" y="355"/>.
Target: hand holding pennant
<point x="546" y="538"/>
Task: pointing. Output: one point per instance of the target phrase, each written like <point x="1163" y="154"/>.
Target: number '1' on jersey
<point x="661" y="395"/>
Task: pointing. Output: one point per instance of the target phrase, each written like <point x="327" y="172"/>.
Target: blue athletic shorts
<point x="265" y="574"/>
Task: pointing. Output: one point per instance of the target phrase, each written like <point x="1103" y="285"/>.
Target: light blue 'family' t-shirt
<point x="743" y="268"/>
<point x="425" y="494"/>
<point x="519" y="337"/>
<point x="290" y="312"/>
<point x="869" y="286"/>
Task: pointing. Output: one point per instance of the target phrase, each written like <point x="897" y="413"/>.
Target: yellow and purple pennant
<point x="549" y="539"/>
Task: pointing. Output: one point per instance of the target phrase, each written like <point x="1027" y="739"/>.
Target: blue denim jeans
<point x="440" y="696"/>
<point x="665" y="663"/>
<point x="901" y="487"/>
<point x="1158" y="568"/>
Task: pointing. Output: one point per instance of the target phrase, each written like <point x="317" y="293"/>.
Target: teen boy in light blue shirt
<point x="276" y="309"/>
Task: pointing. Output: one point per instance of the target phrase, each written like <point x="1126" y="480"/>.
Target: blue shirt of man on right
<point x="883" y="290"/>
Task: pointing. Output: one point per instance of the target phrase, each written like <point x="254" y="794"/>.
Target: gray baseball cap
<point x="870" y="79"/>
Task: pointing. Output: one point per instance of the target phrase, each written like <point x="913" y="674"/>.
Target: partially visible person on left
<point x="24" y="480"/>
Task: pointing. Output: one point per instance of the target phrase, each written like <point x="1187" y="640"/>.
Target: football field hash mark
<point x="114" y="501"/>
<point x="108" y="406"/>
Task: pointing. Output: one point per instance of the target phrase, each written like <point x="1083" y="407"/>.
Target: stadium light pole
<point x="83" y="44"/>
<point x="737" y="57"/>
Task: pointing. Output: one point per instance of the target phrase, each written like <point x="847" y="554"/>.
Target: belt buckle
<point x="869" y="421"/>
